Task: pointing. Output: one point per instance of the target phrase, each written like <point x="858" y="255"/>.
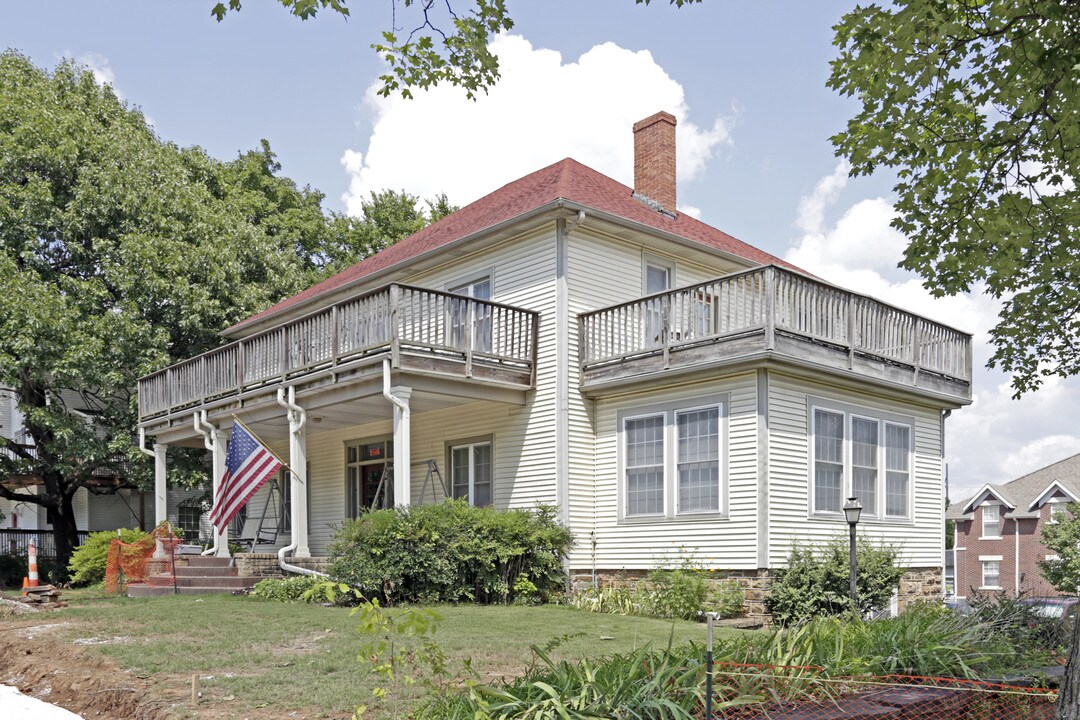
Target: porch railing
<point x="396" y="319"/>
<point x="15" y="542"/>
<point x="772" y="300"/>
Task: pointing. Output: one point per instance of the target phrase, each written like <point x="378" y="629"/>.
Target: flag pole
<point x="265" y="445"/>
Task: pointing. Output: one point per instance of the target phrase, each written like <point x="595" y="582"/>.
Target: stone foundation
<point x="266" y="564"/>
<point x="917" y="584"/>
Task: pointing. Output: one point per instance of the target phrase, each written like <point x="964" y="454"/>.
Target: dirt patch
<point x="35" y="661"/>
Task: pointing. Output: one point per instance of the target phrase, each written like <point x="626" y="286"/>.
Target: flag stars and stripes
<point x="248" y="465"/>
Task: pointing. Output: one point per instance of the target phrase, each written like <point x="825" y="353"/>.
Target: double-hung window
<point x="991" y="521"/>
<point x="858" y="453"/>
<point x="991" y="574"/>
<point x="470" y="322"/>
<point x="471" y="472"/>
<point x="672" y="462"/>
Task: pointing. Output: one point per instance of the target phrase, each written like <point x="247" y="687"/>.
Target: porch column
<point x="402" y="449"/>
<point x="219" y="440"/>
<point x="161" y="490"/>
<point x="298" y="483"/>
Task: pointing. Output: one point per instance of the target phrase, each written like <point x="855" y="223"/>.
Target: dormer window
<point x="991" y="522"/>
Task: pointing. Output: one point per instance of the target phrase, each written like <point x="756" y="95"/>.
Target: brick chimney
<point x="654" y="159"/>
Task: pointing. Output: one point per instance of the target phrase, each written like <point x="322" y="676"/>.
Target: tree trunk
<point x="65" y="533"/>
<point x="1069" y="698"/>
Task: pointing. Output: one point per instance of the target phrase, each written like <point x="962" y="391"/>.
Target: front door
<point x="366" y="466"/>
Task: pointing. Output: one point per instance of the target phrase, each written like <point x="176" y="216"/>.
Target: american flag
<point x="247" y="466"/>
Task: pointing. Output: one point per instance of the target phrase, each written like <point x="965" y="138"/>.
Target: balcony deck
<point x="771" y="313"/>
<point x="421" y="331"/>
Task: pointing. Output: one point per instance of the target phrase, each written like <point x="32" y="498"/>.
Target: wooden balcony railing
<point x="769" y="301"/>
<point x="396" y="319"/>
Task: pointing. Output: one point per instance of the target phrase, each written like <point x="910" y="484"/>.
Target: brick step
<point x="196" y="590"/>
<point x="137" y="590"/>
<point x="234" y="583"/>
<point x="210" y="571"/>
<point x="199" y="561"/>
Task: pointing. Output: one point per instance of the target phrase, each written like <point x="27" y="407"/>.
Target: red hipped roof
<point x="567" y="180"/>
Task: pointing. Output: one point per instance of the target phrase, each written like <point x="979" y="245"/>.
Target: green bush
<point x="288" y="589"/>
<point x="451" y="552"/>
<point x="12" y="570"/>
<point x="725" y="598"/>
<point x="680" y="593"/>
<point x="87" y="565"/>
<point x="816" y="581"/>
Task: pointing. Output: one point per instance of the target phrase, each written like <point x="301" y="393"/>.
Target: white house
<point x="121" y="507"/>
<point x="573" y="341"/>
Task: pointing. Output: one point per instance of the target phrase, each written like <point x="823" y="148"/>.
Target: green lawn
<point x="302" y="657"/>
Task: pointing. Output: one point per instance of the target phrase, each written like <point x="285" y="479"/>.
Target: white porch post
<point x="402" y="449"/>
<point x="161" y="490"/>
<point x="219" y="443"/>
<point x="298" y="486"/>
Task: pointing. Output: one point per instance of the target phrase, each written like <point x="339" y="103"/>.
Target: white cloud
<point x="996" y="438"/>
<point x="542" y="110"/>
<point x="99" y="66"/>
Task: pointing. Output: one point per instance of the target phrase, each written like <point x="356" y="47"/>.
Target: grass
<point x="295" y="656"/>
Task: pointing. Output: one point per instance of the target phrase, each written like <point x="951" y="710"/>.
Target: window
<point x="991" y="574"/>
<point x="471" y="322"/>
<point x="860" y="454"/>
<point x="1058" y="506"/>
<point x="673" y="452"/>
<point x="188" y="514"/>
<point x="991" y="519"/>
<point x="284" y="481"/>
<point x="658" y="278"/>
<point x="369" y="476"/>
<point x="471" y="472"/>
<point x="645" y="465"/>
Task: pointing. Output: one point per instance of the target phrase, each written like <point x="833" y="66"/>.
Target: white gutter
<point x="204" y="428"/>
<point x="142" y="444"/>
<point x="297" y="419"/>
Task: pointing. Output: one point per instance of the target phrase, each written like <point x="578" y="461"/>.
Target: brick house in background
<point x="999" y="531"/>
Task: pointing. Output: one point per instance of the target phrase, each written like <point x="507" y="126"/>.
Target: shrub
<point x="12" y="570"/>
<point x="288" y="589"/>
<point x="679" y="593"/>
<point x="451" y="552"/>
<point x="815" y="581"/>
<point x="725" y="598"/>
<point x="87" y="565"/>
<point x="1022" y="626"/>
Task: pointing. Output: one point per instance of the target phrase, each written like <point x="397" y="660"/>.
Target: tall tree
<point x="120" y="253"/>
<point x="428" y="42"/>
<point x="975" y="105"/>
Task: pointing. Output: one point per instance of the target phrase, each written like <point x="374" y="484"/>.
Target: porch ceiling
<point x="332" y="407"/>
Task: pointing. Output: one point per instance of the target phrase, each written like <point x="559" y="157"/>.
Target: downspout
<point x="393" y="399"/>
<point x="159" y="547"/>
<point x="297" y="419"/>
<point x="1016" y="557"/>
<point x="204" y="428"/>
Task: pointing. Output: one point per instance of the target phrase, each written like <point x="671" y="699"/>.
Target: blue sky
<point x="747" y="81"/>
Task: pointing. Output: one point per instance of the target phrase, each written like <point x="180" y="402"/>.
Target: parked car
<point x="1053" y="607"/>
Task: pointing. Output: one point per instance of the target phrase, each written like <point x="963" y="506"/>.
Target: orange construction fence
<point x="135" y="562"/>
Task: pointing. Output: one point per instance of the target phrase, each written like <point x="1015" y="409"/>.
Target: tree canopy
<point x="976" y="108"/>
<point x="121" y="253"/>
<point x="428" y="42"/>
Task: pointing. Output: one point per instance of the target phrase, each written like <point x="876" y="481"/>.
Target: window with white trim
<point x="862" y="454"/>
<point x="672" y="462"/>
<point x="471" y="472"/>
<point x="991" y="521"/>
<point x="468" y="320"/>
<point x="991" y="574"/>
<point x="1058" y="506"/>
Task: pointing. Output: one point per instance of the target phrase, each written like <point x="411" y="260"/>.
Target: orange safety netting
<point x="756" y="692"/>
<point x="136" y="562"/>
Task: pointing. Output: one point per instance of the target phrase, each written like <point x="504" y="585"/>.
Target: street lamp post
<point x="852" y="511"/>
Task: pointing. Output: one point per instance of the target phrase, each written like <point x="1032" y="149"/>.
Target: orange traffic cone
<point x="25" y="584"/>
<point x="32" y="552"/>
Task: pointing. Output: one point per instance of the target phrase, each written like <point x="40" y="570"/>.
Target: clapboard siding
<point x="920" y="541"/>
<point x="719" y="543"/>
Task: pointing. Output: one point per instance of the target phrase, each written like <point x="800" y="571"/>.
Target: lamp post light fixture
<point x="852" y="511"/>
